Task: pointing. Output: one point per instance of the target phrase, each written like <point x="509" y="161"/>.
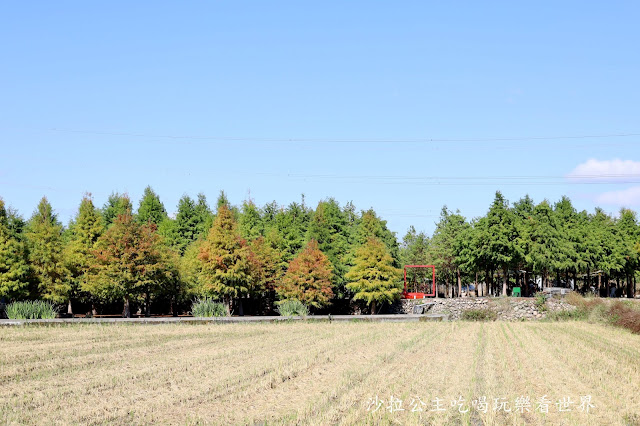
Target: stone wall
<point x="507" y="309"/>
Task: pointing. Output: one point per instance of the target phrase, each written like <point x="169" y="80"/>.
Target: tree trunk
<point x="173" y="307"/>
<point x="69" y="308"/>
<point x="446" y="285"/>
<point x="505" y="279"/>
<point x="490" y="283"/>
<point x="147" y="304"/>
<point x="494" y="284"/>
<point x="126" y="312"/>
<point x="94" y="310"/>
<point x="453" y="286"/>
<point x="460" y="283"/>
<point x="226" y="300"/>
<point x="373" y="307"/>
<point x="475" y="284"/>
<point x="485" y="290"/>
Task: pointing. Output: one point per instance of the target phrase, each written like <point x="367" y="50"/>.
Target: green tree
<point x="117" y="204"/>
<point x="371" y="226"/>
<point x="588" y="249"/>
<point x="205" y="216"/>
<point x="15" y="223"/>
<point x="14" y="265"/>
<point x="308" y="278"/>
<point x="627" y="228"/>
<point x="223" y="200"/>
<point x="566" y="221"/>
<point x="544" y="241"/>
<point x="172" y="286"/>
<point x="189" y="224"/>
<point x="373" y="278"/>
<point x="523" y="211"/>
<point x="414" y="248"/>
<point x="352" y="219"/>
<point x="151" y="208"/>
<point x="226" y="270"/>
<point x="611" y="260"/>
<point x="44" y="238"/>
<point x="328" y="226"/>
<point x="250" y="221"/>
<point x="191" y="270"/>
<point x="288" y="226"/>
<point x="129" y="262"/>
<point x="501" y="228"/>
<point x="85" y="231"/>
<point x="445" y="246"/>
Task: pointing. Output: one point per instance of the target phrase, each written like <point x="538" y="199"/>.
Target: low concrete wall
<point x="507" y="308"/>
<point x="227" y="320"/>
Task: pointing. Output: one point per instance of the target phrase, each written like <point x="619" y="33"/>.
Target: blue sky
<point x="399" y="106"/>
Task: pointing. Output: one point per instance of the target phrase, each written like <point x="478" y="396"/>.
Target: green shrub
<point x="596" y="311"/>
<point x="31" y="309"/>
<point x="576" y="314"/>
<point x="208" y="308"/>
<point x="479" y="315"/>
<point x="541" y="301"/>
<point x="292" y="308"/>
<point x="574" y="298"/>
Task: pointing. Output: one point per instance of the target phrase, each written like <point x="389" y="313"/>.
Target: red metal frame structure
<point x="407" y="295"/>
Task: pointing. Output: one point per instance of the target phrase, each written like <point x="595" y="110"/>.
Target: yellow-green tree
<point x="14" y="266"/>
<point x="226" y="269"/>
<point x="373" y="278"/>
<point x="85" y="231"/>
<point x="44" y="238"/>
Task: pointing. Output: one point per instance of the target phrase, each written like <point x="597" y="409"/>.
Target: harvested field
<point x="320" y="373"/>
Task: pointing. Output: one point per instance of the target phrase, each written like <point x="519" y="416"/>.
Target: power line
<point x="514" y="177"/>
<point x="591" y="179"/>
<point x="344" y="140"/>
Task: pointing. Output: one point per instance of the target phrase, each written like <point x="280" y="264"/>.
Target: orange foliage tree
<point x="129" y="261"/>
<point x="308" y="278"/>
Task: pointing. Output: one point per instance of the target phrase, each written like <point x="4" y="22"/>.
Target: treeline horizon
<point x="318" y="256"/>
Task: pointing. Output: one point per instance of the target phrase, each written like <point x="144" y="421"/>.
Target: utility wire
<point x="390" y="177"/>
<point x="344" y="140"/>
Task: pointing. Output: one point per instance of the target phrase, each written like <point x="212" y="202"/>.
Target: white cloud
<point x="606" y="170"/>
<point x="622" y="198"/>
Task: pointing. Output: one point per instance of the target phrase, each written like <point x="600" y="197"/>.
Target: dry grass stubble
<point x="315" y="373"/>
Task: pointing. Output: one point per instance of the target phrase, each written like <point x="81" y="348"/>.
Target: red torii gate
<point x="419" y="295"/>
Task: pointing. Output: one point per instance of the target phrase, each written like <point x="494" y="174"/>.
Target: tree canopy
<point x="308" y="278"/>
<point x="373" y="278"/>
<point x="319" y="256"/>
